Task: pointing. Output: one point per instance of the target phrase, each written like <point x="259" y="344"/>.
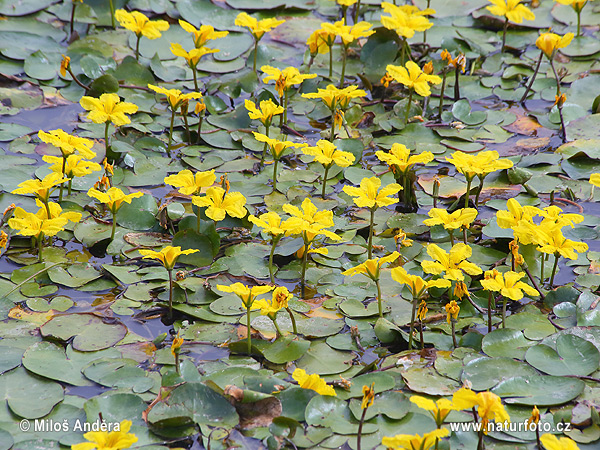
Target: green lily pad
<point x="462" y="111"/>
<point x="89" y="331"/>
<point x="320" y="358"/>
<point x="505" y="342"/>
<point x="285" y="349"/>
<point x="485" y="373"/>
<point x="572" y="356"/>
<point x="17" y="388"/>
<point x="539" y="390"/>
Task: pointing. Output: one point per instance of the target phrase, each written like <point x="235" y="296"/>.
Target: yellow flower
<point x="314" y="382"/>
<point x="75" y="165"/>
<point x="142" y="26"/>
<point x="348" y="33"/>
<point x="513" y="10"/>
<point x="412" y="442"/>
<point x="479" y="164"/>
<point x="246" y="294"/>
<point x="535" y="416"/>
<point x="551" y="240"/>
<point x="327" y="154"/>
<point x="452" y="311"/>
<point x="190" y="183"/>
<point x="270" y="222"/>
<point x="108" y="440"/>
<point x="333" y="97"/>
<point x="577" y="5"/>
<point x="368" y="396"/>
<point x="30" y="224"/>
<point x="459" y="218"/>
<point x="416" y="285"/>
<point x="553" y="215"/>
<point x="400" y="159"/>
<point x="451" y="264"/>
<point x="68" y="144"/>
<point x="514" y="250"/>
<point x="401" y="239"/>
<point x="56" y="212"/>
<point x="265" y="114"/>
<point x="257" y="27"/>
<point x="559" y="100"/>
<point x="41" y="188"/>
<point x="64" y="65"/>
<point x="372" y="267"/>
<point x="422" y="311"/>
<point x="286" y="78"/>
<point x="595" y="179"/>
<point x="346" y="2"/>
<point x="459" y="62"/>
<point x="320" y="41"/>
<point x="515" y="214"/>
<point x="193" y="56"/>
<point x="309" y="222"/>
<point x="114" y="197"/>
<point x="277" y="147"/>
<point x="550" y="42"/>
<point x="204" y="34"/>
<point x="200" y="107"/>
<point x="174" y="96"/>
<point x="3" y="240"/>
<point x="369" y="195"/>
<point x="413" y="77"/>
<point x="439" y="410"/>
<point x="489" y="406"/>
<point x="167" y="256"/>
<point x="219" y="202"/>
<point x="406" y="19"/>
<point x="552" y="442"/>
<point x="108" y="108"/>
<point x="176" y="345"/>
<point x="386" y="80"/>
<point x="279" y="300"/>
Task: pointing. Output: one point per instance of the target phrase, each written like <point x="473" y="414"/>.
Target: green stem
<point x="464" y="230"/>
<point x="504" y="302"/>
<point x="248" y="326"/>
<point x="371" y="224"/>
<point x="556" y="77"/>
<point x="325" y="180"/>
<point x="177" y="363"/>
<point x="344" y="51"/>
<point x="542" y="270"/>
<point x="489" y="312"/>
<point x="453" y="327"/>
<point x="412" y="322"/>
<point x="293" y="319"/>
<point x="424" y="42"/>
<point x="345" y="14"/>
<point x="456" y="85"/>
<point x="40" y="245"/>
<point x="440" y="107"/>
<point x="285" y="107"/>
<point x="64" y="167"/>
<point x="114" y="226"/>
<point x="479" y="189"/>
<point x="468" y="193"/>
<point x="330" y="61"/>
<point x="106" y="143"/>
<point x="554" y="270"/>
<point x="403" y="52"/>
<point x="304" y="263"/>
<point x="281" y="103"/>
<point x="379" y="302"/>
<point x="112" y="13"/>
<point x="72" y="19"/>
<point x="274" y="243"/>
<point x="170" y="271"/>
<point x="137" y="47"/>
<point x="578" y="23"/>
<point x="255" y="53"/>
<point x="195" y="74"/>
<point x="69" y="186"/>
<point x="356" y="12"/>
<point x="275" y="175"/>
<point x="200" y="119"/>
<point x="264" y="153"/>
<point x="332" y="137"/>
<point x="170" y="133"/>
<point x="410" y="94"/>
<point x="362" y="416"/>
<point x="532" y="79"/>
<point x="451" y="233"/>
<point x="480" y="445"/>
<point x="278" y="330"/>
<point x="504" y="34"/>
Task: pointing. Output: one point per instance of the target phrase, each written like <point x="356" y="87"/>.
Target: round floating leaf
<point x="505" y="342"/>
<point x="485" y="373"/>
<point x="18" y="387"/>
<point x="462" y="111"/>
<point x="320" y="358"/>
<point x="23" y="7"/>
<point x="573" y="356"/>
<point x="285" y="349"/>
<point x="294" y="400"/>
<point x="90" y="332"/>
<point x="42" y="66"/>
<point x="115" y="407"/>
<point x="539" y="390"/>
<point x="51" y="361"/>
<point x="10" y="131"/>
<point x="59" y="303"/>
<point x="355" y="309"/>
<point x="122" y="373"/>
<point x="428" y="381"/>
<point x="324" y="410"/>
<point x="190" y="239"/>
<point x="315" y="327"/>
<point x="139" y="214"/>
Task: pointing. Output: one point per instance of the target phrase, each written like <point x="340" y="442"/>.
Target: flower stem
<point x="504" y="34"/>
<point x="331" y="61"/>
<point x="479" y="189"/>
<point x="40" y="243"/>
<point x="277" y="329"/>
<point x="362" y="416"/>
<point x="248" y="326"/>
<point x="285" y="107"/>
<point x="451" y="234"/>
<point x="106" y="143"/>
<point x="195" y="74"/>
<point x="356" y="12"/>
<point x="421" y="334"/>
<point x="293" y="319"/>
<point x="344" y="51"/>
<point x="325" y="180"/>
<point x="504" y="302"/>
<point x="464" y="230"/>
<point x="112" y="13"/>
<point x="578" y="23"/>
<point x="264" y="153"/>
<point x="412" y="322"/>
<point x="72" y="19"/>
<point x="345" y="14"/>
<point x="177" y="363"/>
<point x="554" y="270"/>
<point x="542" y="279"/>
<point x="187" y="128"/>
<point x="200" y="119"/>
<point x="69" y="186"/>
<point x="468" y="193"/>
<point x="555" y="76"/>
<point x="562" y="122"/>
<point x="453" y="327"/>
<point x="255" y="52"/>
<point x="379" y="302"/>
<point x="137" y="47"/>
<point x="370" y="242"/>
<point x="303" y="276"/>
<point x="170" y="271"/>
<point x="114" y="226"/>
<point x="275" y="174"/>
<point x="489" y="312"/>
<point x="170" y="133"/>
<point x="456" y="84"/>
<point x="64" y="167"/>
<point x="79" y="83"/>
<point x="410" y="94"/>
<point x="332" y="137"/>
<point x="532" y="79"/>
<point x="274" y="243"/>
